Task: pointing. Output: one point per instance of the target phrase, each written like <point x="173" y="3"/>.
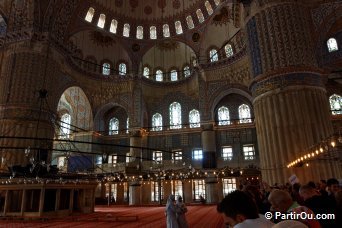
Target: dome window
<point x="140" y="32"/>
<point x="126" y="30"/>
<point x="90" y="14"/>
<point x="113" y="26"/>
<point x="102" y="21"/>
<point x="153" y="32"/>
<point x="179" y="29"/>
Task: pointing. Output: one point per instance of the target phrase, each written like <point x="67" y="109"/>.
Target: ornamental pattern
<point x="282" y="81"/>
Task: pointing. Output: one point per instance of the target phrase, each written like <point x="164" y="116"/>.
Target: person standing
<point x="170" y="212"/>
<point x="181" y="210"/>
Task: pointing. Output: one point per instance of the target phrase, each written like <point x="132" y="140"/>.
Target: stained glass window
<point x="194" y="118"/>
<point x="102" y="20"/>
<point x="208" y="7"/>
<point x="140" y="32"/>
<point x="113" y="126"/>
<point x="174" y="75"/>
<point x="157" y="122"/>
<point x="159" y="75"/>
<point x="217" y="2"/>
<point x="128" y="157"/>
<point x="197" y="154"/>
<point x="200" y="15"/>
<point x="227" y="153"/>
<point x="126" y="29"/>
<point x="122" y="69"/>
<point x="179" y="29"/>
<point x="177" y="155"/>
<point x="65" y="126"/>
<point x="223" y="116"/>
<point x="248" y="152"/>
<point x="146" y="72"/>
<point x="175" y="115"/>
<point x="229" y="185"/>
<point x="90" y="14"/>
<point x="199" y="189"/>
<point x="190" y="22"/>
<point x="106" y="69"/>
<point x="229" y="50"/>
<point x="113" y="26"/>
<point x="158" y="156"/>
<point x="335" y="104"/>
<point x="127" y="125"/>
<point x="153" y="32"/>
<point x="186" y="71"/>
<point x="155" y="191"/>
<point x="213" y="55"/>
<point x="332" y="45"/>
<point x="166" y="30"/>
<point x="244" y="114"/>
<point x="113" y="159"/>
<point x="177" y="188"/>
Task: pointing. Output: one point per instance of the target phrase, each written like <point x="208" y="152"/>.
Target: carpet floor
<point x="200" y="216"/>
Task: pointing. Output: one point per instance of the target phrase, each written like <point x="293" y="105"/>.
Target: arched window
<point x="127" y="125"/>
<point x="65" y="126"/>
<point x="102" y="20"/>
<point x="208" y="7"/>
<point x="153" y="32"/>
<point x="113" y="126"/>
<point x="113" y="26"/>
<point x="194" y="118"/>
<point x="175" y="115"/>
<point x="122" y="69"/>
<point x="223" y="116"/>
<point x="174" y="75"/>
<point x="194" y="61"/>
<point x="217" y="2"/>
<point x="186" y="71"/>
<point x="244" y="114"/>
<point x="90" y="14"/>
<point x="126" y="30"/>
<point x="229" y="50"/>
<point x="332" y="45"/>
<point x="3" y="26"/>
<point x="140" y="32"/>
<point x="179" y="29"/>
<point x="159" y="76"/>
<point x="146" y="72"/>
<point x="335" y="104"/>
<point x="166" y="30"/>
<point x="157" y="122"/>
<point x="106" y="69"/>
<point x="200" y="15"/>
<point x="190" y="22"/>
<point x="213" y="55"/>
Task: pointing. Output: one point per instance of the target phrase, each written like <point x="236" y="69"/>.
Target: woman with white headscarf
<point x="170" y="212"/>
<point x="181" y="210"/>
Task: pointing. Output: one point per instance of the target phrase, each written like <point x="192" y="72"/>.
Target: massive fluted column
<point x="290" y="103"/>
<point x="209" y="146"/>
<point x="26" y="80"/>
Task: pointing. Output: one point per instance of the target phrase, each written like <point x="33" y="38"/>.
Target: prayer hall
<point x="108" y="107"/>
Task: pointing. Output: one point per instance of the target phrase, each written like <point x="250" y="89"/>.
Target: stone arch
<point x="75" y="102"/>
<point x="106" y="111"/>
<point x="221" y="95"/>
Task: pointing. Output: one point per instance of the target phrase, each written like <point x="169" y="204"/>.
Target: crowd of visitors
<point x="309" y="205"/>
<point x="312" y="205"/>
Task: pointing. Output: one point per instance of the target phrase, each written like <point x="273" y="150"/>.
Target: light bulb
<point x="333" y="144"/>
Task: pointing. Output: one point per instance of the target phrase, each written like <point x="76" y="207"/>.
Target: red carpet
<point x="125" y="217"/>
